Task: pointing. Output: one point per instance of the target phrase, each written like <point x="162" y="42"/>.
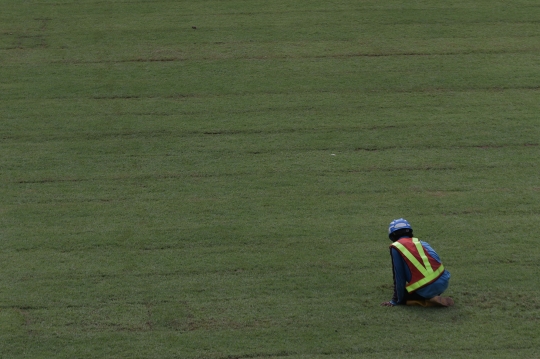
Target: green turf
<point x="224" y="191"/>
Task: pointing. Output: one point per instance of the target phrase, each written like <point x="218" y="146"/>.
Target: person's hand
<point x="387" y="304"/>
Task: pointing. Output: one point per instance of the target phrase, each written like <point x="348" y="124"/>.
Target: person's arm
<point x="400" y="278"/>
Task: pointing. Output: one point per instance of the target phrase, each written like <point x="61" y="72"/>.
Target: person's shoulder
<point x="425" y="244"/>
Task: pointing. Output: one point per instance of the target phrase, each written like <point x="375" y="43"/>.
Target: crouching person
<point x="419" y="275"/>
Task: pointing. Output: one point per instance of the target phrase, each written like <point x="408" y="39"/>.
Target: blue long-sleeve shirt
<point x="402" y="275"/>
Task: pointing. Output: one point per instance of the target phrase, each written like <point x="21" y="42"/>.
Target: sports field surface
<point x="214" y="178"/>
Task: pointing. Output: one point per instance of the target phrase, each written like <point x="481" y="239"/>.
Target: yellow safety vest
<point x="421" y="273"/>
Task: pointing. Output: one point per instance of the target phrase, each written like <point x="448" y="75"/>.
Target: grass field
<point x="214" y="179"/>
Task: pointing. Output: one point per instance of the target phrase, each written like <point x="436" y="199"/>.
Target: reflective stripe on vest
<point x="425" y="269"/>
